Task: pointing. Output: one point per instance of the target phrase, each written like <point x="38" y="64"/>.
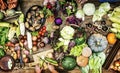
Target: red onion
<point x="58" y="21"/>
<point x="46" y="40"/>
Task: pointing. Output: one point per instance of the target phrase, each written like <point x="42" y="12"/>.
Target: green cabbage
<point x="67" y="32"/>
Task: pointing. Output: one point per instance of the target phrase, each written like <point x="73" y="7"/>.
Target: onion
<point x="71" y="20"/>
<point x="71" y="44"/>
<point x="25" y="59"/>
<point x="34" y="38"/>
<point x="46" y="40"/>
<point x="34" y="48"/>
<point x="24" y="55"/>
<point x="26" y="52"/>
<point x="89" y="9"/>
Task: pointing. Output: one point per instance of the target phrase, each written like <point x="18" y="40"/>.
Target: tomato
<point x="40" y="33"/>
<point x="44" y="27"/>
<point x="44" y="30"/>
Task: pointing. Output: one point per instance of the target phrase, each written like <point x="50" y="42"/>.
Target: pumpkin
<point x="82" y="61"/>
<point x="111" y="38"/>
<point x="97" y="42"/>
<point x="86" y="51"/>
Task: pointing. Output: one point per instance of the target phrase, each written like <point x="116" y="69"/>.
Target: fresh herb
<point x="3" y="35"/>
<point x="47" y="12"/>
<point x="35" y="33"/>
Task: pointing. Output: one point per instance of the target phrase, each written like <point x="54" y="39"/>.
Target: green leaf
<point x="21" y="18"/>
<point x="18" y="31"/>
<point x="35" y="33"/>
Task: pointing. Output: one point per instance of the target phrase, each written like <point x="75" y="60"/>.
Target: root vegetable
<point x="25" y="60"/>
<point x="34" y="38"/>
<point x="26" y="52"/>
<point x="45" y="40"/>
<point x="29" y="40"/>
<point x="34" y="43"/>
<point x="41" y="44"/>
<point x="18" y="53"/>
<point x="34" y="48"/>
<point x="117" y="63"/>
<point x="24" y="55"/>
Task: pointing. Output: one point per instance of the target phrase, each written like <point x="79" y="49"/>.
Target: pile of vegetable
<point x="116" y="65"/>
<point x="59" y="26"/>
<point x="114" y="17"/>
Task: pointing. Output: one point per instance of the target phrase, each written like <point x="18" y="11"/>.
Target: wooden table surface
<point x="33" y="71"/>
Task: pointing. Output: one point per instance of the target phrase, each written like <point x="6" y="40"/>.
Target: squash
<point x="86" y="51"/>
<point x="82" y="61"/>
<point x="97" y="42"/>
<point x="68" y="63"/>
<point x="111" y="37"/>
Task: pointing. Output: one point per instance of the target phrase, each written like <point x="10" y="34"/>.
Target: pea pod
<point x="51" y="61"/>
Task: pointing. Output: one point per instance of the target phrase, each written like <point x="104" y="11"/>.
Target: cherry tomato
<point x="40" y="33"/>
<point x="44" y="30"/>
<point x="44" y="27"/>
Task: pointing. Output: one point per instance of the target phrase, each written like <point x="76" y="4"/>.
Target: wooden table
<point x="32" y="71"/>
